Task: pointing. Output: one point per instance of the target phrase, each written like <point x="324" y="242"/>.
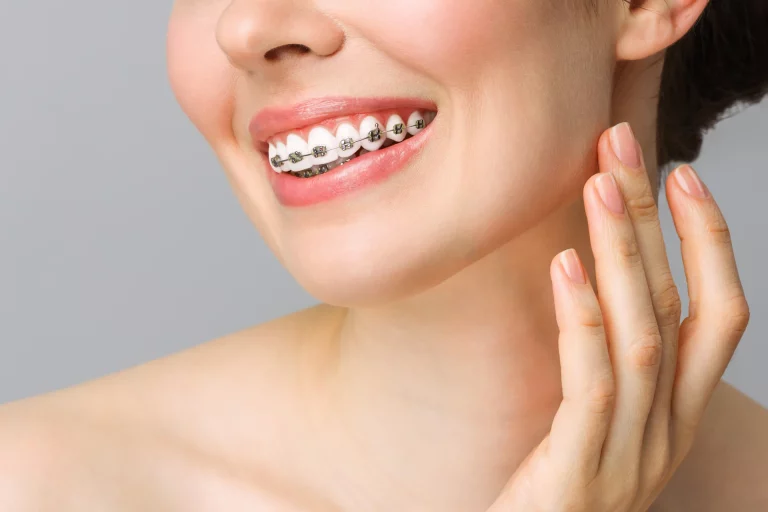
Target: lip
<point x="363" y="171"/>
<point x="270" y="121"/>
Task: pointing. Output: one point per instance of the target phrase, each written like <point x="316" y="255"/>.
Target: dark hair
<point x="721" y="62"/>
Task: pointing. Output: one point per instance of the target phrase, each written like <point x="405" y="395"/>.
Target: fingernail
<point x="623" y="144"/>
<point x="609" y="192"/>
<point x="570" y="261"/>
<point x="688" y="179"/>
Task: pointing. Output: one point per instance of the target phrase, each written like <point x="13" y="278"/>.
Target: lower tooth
<point x="322" y="169"/>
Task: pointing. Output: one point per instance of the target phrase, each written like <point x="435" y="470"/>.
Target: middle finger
<point x="634" y="341"/>
<point x="615" y="155"/>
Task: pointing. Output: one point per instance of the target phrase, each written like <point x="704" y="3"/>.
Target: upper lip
<point x="273" y="120"/>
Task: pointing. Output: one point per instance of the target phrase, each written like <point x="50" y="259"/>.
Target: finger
<point x="718" y="310"/>
<point x="634" y="341"/>
<point x="581" y="423"/>
<point x="621" y="155"/>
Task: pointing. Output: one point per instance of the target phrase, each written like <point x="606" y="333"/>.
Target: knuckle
<point x="627" y="252"/>
<point x="684" y="426"/>
<point x="602" y="395"/>
<point x="719" y="232"/>
<point x="666" y="299"/>
<point x="657" y="468"/>
<point x="591" y="319"/>
<point x="645" y="352"/>
<point x="738" y="314"/>
<point x="644" y="207"/>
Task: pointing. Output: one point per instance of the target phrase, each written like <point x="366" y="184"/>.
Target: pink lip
<point x="273" y="120"/>
<point x="365" y="170"/>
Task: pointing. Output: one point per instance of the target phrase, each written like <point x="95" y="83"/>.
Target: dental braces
<point x="345" y="144"/>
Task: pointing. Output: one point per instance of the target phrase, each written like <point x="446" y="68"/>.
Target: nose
<point x="255" y="32"/>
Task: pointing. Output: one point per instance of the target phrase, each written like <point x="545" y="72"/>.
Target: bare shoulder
<point x="48" y="454"/>
<point x="29" y="455"/>
<point x="153" y="430"/>
<point x="728" y="462"/>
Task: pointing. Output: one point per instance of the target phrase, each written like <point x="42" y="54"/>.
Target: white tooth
<point x="347" y="131"/>
<point x="272" y="154"/>
<point x="295" y="143"/>
<point x="429" y="116"/>
<point x="391" y="122"/>
<point x="367" y="125"/>
<point x="283" y="152"/>
<point x="319" y="136"/>
<point x="416" y="116"/>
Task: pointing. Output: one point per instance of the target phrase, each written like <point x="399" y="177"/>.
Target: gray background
<point x="121" y="241"/>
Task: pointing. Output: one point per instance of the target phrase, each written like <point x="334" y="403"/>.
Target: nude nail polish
<point x="624" y="145"/>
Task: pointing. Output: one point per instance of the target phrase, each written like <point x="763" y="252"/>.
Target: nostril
<point x="286" y="50"/>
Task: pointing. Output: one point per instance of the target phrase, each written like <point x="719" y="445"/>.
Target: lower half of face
<point x="522" y="90"/>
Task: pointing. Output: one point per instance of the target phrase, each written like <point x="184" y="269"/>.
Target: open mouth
<point x="318" y="149"/>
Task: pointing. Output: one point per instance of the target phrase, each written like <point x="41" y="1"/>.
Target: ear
<point x="647" y="27"/>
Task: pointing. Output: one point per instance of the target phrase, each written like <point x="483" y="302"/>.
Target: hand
<point x="635" y="380"/>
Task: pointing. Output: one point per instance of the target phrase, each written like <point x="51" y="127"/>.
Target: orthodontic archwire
<point x="346" y="144"/>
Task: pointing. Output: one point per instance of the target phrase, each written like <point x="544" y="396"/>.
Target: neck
<point x="443" y="394"/>
<point x="462" y="380"/>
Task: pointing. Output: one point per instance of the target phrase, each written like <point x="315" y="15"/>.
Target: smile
<point x="322" y="151"/>
<point x="324" y="148"/>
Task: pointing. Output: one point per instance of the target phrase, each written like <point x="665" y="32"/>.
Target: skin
<point x="450" y="366"/>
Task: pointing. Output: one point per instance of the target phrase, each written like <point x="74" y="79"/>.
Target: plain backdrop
<point x="121" y="241"/>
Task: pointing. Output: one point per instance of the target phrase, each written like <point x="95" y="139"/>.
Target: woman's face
<point x="522" y="89"/>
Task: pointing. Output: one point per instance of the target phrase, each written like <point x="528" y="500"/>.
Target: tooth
<point x="414" y="119"/>
<point x="322" y="141"/>
<point x="283" y="152"/>
<point x="371" y="128"/>
<point x="297" y="148"/>
<point x="343" y="132"/>
<point x="391" y="123"/>
<point x="273" y="154"/>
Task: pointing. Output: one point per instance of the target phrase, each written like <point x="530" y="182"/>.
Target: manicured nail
<point x="688" y="179"/>
<point x="609" y="192"/>
<point x="623" y="144"/>
<point x="570" y="261"/>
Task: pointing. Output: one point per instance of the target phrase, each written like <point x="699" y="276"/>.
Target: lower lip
<point x="365" y="170"/>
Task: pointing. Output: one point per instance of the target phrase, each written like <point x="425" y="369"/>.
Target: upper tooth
<point x="343" y="132"/>
<point x="371" y="128"/>
<point x="273" y="154"/>
<point x="283" y="152"/>
<point x="412" y="121"/>
<point x="391" y="123"/>
<point x="322" y="141"/>
<point x="297" y="148"/>
<point x="324" y="148"/>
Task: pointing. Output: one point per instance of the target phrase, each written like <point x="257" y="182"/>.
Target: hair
<point x="720" y="63"/>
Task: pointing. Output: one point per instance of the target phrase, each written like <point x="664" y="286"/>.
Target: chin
<point x="359" y="275"/>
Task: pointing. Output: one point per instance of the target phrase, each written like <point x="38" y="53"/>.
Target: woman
<point x="425" y="169"/>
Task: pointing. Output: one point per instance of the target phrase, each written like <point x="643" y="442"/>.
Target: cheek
<point x="200" y="75"/>
<point x="449" y="40"/>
